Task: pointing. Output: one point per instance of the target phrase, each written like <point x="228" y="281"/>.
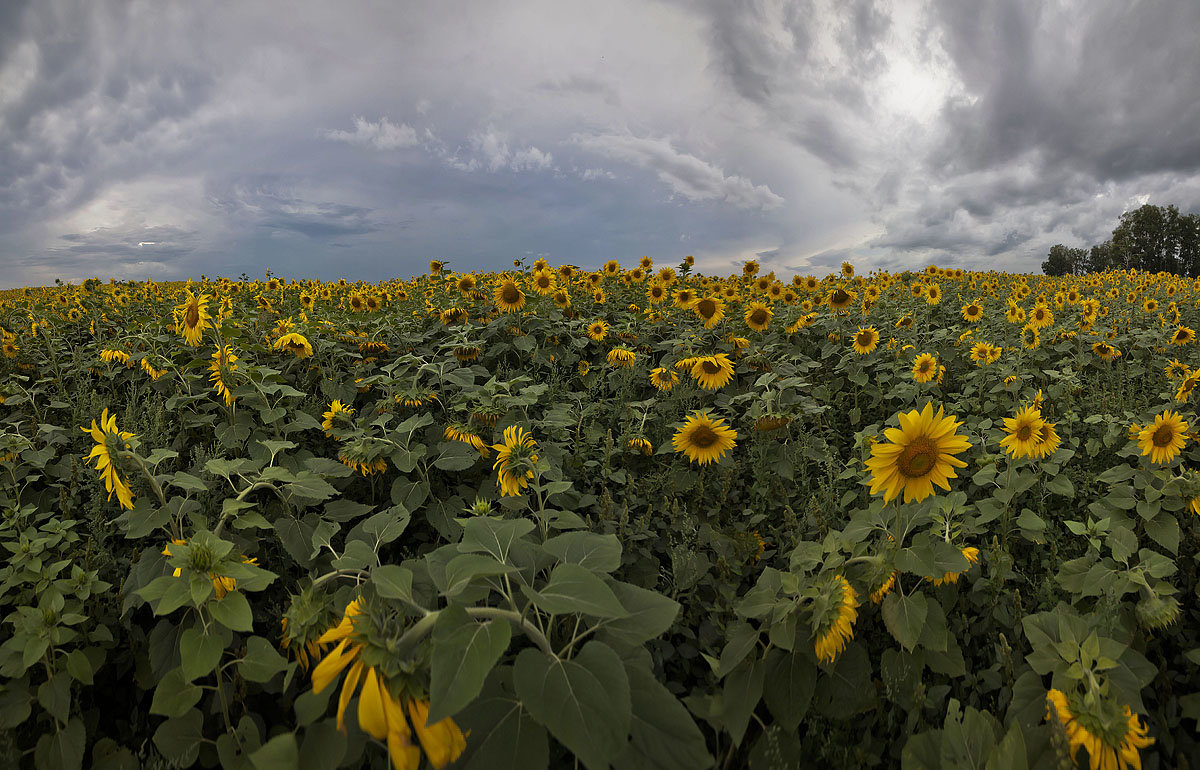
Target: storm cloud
<point x="360" y="139"/>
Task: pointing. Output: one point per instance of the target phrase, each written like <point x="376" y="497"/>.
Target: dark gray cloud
<point x="355" y="140"/>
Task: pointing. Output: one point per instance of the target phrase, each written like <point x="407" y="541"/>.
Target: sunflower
<point x="1187" y="385"/>
<point x="1164" y="438"/>
<point x="971" y="555"/>
<point x="1110" y="749"/>
<point x="381" y="714"/>
<point x="114" y="355"/>
<point x="884" y="588"/>
<point x="758" y="316"/>
<point x="357" y="302"/>
<point x="1174" y="370"/>
<point x="621" y="358"/>
<point x="108" y="438"/>
<point x="703" y="439"/>
<point x="1024" y="432"/>
<point x="904" y="322"/>
<point x="641" y="444"/>
<point x="1105" y="351"/>
<point x="1030" y="338"/>
<point x="710" y="309"/>
<point x="1041" y="316"/>
<point x="839" y="298"/>
<point x="509" y="297"/>
<point x="514" y="461"/>
<point x="337" y="418"/>
<point x="920" y="453"/>
<point x="543" y="282"/>
<point x="984" y="353"/>
<point x="1182" y="336"/>
<point x="933" y="294"/>
<point x="713" y="372"/>
<point x="925" y="367"/>
<point x="597" y="330"/>
<point x="664" y="379"/>
<point x="224" y="363"/>
<point x="297" y="344"/>
<point x="837" y="626"/>
<point x="463" y="434"/>
<point x="1150" y="306"/>
<point x="1047" y="441"/>
<point x="865" y="340"/>
<point x="149" y="369"/>
<point x="562" y="298"/>
<point x="192" y="318"/>
<point x="465" y="284"/>
<point x="973" y="312"/>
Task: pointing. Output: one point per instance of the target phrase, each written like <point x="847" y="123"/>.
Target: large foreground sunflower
<point x="837" y="625"/>
<point x="1111" y="738"/>
<point x="920" y="453"/>
<point x="1164" y="438"/>
<point x="703" y="439"/>
<point x="1024" y="432"/>
<point x="509" y="297"/>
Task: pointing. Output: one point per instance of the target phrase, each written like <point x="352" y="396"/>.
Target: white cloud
<point x="686" y="174"/>
<point x="382" y="134"/>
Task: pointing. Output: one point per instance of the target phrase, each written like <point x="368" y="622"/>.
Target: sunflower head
<point x="704" y="440"/>
<point x="917" y="455"/>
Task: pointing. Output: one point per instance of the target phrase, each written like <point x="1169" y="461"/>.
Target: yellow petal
<point x="330" y="666"/>
<point x="348" y="688"/>
<point x="442" y="742"/>
<point x="405" y="756"/>
<point x="371" y="716"/>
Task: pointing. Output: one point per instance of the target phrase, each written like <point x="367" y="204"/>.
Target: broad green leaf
<point x="788" y="686"/>
<point x="650" y="614"/>
<point x="464" y="568"/>
<point x="663" y="735"/>
<point x="62" y="750"/>
<point x="494" y="536"/>
<point x="279" y="753"/>
<point x="233" y="612"/>
<point x="464" y="651"/>
<point x="174" y="695"/>
<point x="199" y="653"/>
<point x="574" y="589"/>
<point x="503" y="734"/>
<point x="598" y="553"/>
<point x="393" y="581"/>
<point x="262" y="661"/>
<point x="54" y="695"/>
<point x="904" y="617"/>
<point x="743" y="690"/>
<point x="584" y="701"/>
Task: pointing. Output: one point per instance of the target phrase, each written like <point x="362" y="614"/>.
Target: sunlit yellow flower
<point x="703" y="439"/>
<point x="664" y="379"/>
<point x="919" y="454"/>
<point x="337" y="418"/>
<point x="224" y="363"/>
<point x="757" y="316"/>
<point x="297" y="344"/>
<point x="925" y="367"/>
<point x="514" y="460"/>
<point x="192" y="318"/>
<point x="1024" y="432"/>
<point x="865" y="340"/>
<point x="509" y="297"/>
<point x="1107" y="749"/>
<point x="713" y="372"/>
<point x="710" y="309"/>
<point x="1164" y="438"/>
<point x="837" y="627"/>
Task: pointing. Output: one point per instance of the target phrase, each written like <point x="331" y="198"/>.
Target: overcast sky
<point x="360" y="138"/>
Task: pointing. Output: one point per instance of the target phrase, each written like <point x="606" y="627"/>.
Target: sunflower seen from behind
<point x="917" y="455"/>
<point x="704" y="440"/>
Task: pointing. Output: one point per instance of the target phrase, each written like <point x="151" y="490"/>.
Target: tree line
<point x="1151" y="238"/>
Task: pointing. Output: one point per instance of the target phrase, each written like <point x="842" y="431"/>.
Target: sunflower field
<point x="631" y="518"/>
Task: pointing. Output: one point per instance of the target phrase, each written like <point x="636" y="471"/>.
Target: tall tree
<point x="1058" y="261"/>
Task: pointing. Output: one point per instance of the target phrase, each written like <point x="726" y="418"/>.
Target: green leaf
<point x="233" y="612"/>
<point x="1061" y="485"/>
<point x="650" y="614"/>
<point x="494" y="536"/>
<point x="503" y="734"/>
<point x="279" y="753"/>
<point x="187" y="482"/>
<point x="464" y="568"/>
<point x="174" y="695"/>
<point x="262" y="661"/>
<point x="845" y="689"/>
<point x="323" y="747"/>
<point x="663" y="735"/>
<point x="788" y="686"/>
<point x="199" y="653"/>
<point x="64" y="749"/>
<point x="79" y="666"/>
<point x="393" y="581"/>
<point x="464" y="652"/>
<point x="1164" y="530"/>
<point x="743" y="690"/>
<point x="456" y="456"/>
<point x="310" y="486"/>
<point x="345" y="510"/>
<point x="584" y="702"/>
<point x="598" y="553"/>
<point x="1116" y="475"/>
<point x="574" y="589"/>
<point x="54" y="695"/>
<point x="904" y="617"/>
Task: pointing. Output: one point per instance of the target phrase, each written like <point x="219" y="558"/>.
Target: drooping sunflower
<point x="509" y="297"/>
<point x="837" y="626"/>
<point x="703" y="439"/>
<point x="1163" y="439"/>
<point x="108" y="439"/>
<point x="1024" y="431"/>
<point x="710" y="310"/>
<point x="865" y="340"/>
<point x="1182" y="336"/>
<point x="621" y="358"/>
<point x="224" y="364"/>
<point x="664" y="379"/>
<point x="296" y="344"/>
<point x="514" y="461"/>
<point x="192" y="318"/>
<point x="919" y="454"/>
<point x="925" y="368"/>
<point x="1107" y="749"/>
<point x="713" y="372"/>
<point x="465" y="435"/>
<point x="758" y="316"/>
<point x="641" y="444"/>
<point x="597" y="330"/>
